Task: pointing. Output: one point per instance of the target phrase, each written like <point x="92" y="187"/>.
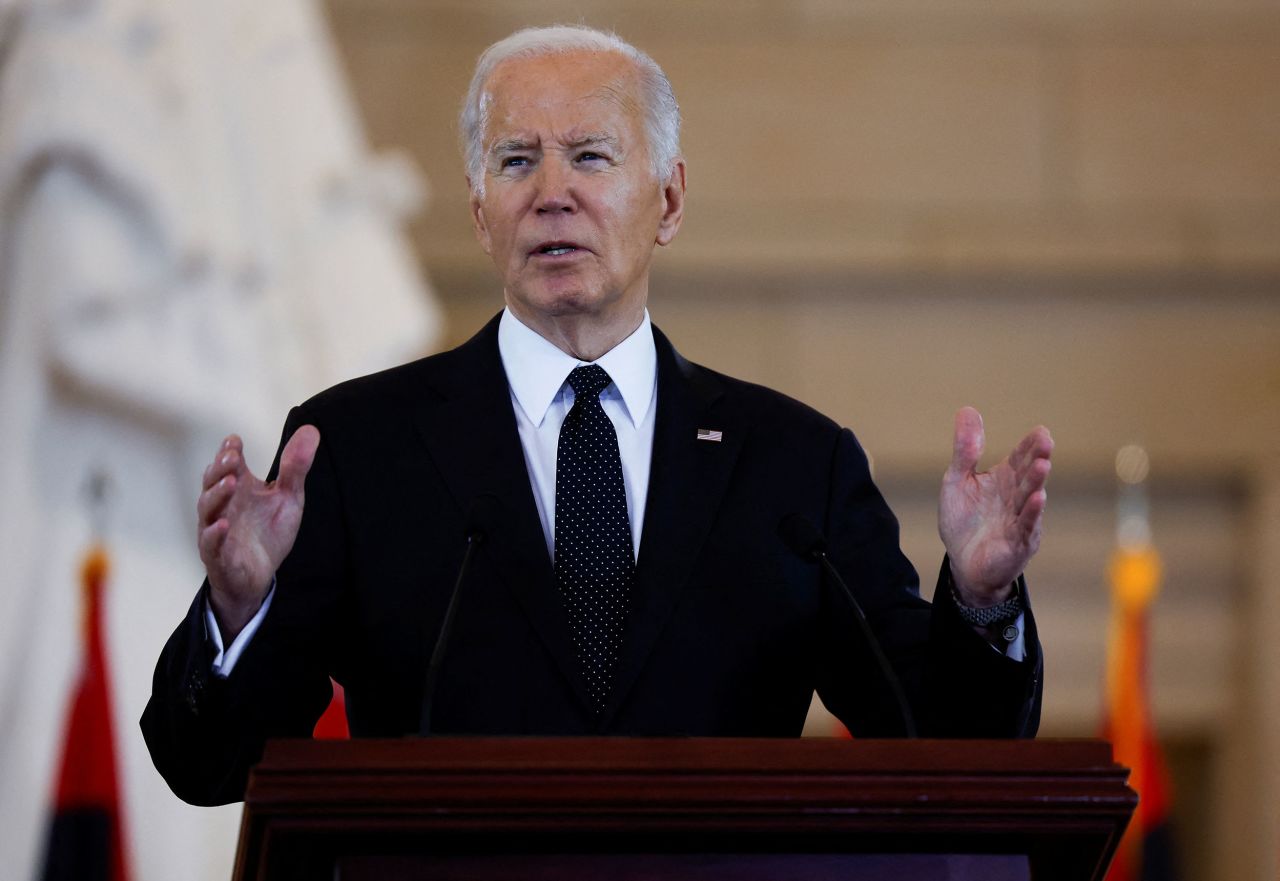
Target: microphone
<point x="805" y="541"/>
<point x="803" y="538"/>
<point x="482" y="517"/>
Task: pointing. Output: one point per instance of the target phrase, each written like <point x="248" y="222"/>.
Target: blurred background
<point x="1061" y="211"/>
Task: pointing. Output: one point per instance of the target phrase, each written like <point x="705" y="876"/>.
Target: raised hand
<point x="990" y="521"/>
<point x="246" y="527"/>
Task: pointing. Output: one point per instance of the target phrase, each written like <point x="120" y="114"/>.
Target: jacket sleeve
<point x="203" y="732"/>
<point x="956" y="684"/>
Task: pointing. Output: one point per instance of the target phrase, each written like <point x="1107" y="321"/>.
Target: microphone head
<point x="482" y="517"/>
<point x="801" y="536"/>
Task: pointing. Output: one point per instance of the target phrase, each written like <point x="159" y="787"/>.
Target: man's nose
<point x="555" y="189"/>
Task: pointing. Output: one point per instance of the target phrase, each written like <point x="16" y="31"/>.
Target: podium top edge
<point x="704" y="755"/>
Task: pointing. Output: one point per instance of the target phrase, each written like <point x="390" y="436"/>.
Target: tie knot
<point x="588" y="381"/>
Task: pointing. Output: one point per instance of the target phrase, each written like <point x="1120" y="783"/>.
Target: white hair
<point x="661" y="112"/>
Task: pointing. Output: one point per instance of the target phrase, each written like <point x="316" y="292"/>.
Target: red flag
<point x="86" y="834"/>
<point x="332" y="725"/>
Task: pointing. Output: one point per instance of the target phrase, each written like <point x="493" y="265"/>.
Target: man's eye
<point x="589" y="156"/>
<point x="514" y="162"/>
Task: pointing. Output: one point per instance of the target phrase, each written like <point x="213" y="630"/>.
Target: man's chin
<point x="559" y="303"/>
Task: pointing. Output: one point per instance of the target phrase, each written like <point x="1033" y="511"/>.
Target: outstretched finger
<point x="296" y="459"/>
<point x="229" y="460"/>
<point x="970" y="440"/>
<point x="1031" y="481"/>
<point x="213" y="500"/>
<point x="1038" y="444"/>
<point x="1032" y="513"/>
<point x="211" y="539"/>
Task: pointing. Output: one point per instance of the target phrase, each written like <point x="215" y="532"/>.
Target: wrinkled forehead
<point x="570" y="92"/>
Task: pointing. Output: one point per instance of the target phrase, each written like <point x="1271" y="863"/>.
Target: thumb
<point x="296" y="459"/>
<point x="970" y="440"/>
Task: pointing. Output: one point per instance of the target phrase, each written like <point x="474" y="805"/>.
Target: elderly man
<point x="632" y="579"/>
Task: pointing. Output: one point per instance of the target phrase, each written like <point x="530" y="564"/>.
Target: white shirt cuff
<point x="225" y="659"/>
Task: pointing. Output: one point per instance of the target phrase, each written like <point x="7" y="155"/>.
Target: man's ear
<point x="477" y="218"/>
<point x="672" y="204"/>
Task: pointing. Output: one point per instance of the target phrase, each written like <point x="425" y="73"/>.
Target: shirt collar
<point x="536" y="370"/>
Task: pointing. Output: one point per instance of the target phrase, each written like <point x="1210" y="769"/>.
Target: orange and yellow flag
<point x="1145" y="852"/>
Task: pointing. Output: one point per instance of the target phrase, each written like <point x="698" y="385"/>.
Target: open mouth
<point x="556" y="249"/>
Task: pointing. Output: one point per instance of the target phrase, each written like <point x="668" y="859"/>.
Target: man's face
<point x="571" y="209"/>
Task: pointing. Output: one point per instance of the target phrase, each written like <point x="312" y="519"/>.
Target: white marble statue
<point x="193" y="237"/>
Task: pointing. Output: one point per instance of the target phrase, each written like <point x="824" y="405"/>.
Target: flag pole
<point x="1134" y="572"/>
<point x="86" y="836"/>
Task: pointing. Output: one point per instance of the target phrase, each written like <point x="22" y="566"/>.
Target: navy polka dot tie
<point x="594" y="562"/>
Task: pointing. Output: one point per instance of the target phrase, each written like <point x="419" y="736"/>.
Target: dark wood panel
<point x="1062" y="804"/>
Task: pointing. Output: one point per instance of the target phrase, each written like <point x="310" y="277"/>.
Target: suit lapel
<point x="687" y="481"/>
<point x="470" y="431"/>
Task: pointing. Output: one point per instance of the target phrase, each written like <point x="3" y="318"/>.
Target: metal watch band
<point x="999" y="613"/>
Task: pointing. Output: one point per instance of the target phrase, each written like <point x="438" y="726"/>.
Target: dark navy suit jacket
<point x="729" y="635"/>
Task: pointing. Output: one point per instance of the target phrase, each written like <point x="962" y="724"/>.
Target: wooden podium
<point x="624" y="809"/>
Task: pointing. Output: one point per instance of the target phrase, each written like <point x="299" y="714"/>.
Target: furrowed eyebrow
<point x="594" y="140"/>
<point x="519" y="145"/>
<point x="511" y="145"/>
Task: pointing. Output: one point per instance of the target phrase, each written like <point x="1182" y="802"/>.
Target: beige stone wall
<point x="961" y="136"/>
<point x="1061" y="212"/>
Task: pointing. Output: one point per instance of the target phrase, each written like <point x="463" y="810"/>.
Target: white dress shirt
<point x="538" y="374"/>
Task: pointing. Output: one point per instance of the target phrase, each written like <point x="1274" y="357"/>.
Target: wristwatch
<point x="991" y="616"/>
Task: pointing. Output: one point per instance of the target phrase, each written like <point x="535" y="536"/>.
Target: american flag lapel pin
<point x="708" y="434"/>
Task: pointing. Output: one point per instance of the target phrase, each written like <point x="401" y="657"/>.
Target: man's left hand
<point x="990" y="521"/>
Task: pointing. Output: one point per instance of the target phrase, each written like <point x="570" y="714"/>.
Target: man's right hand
<point x="247" y="527"/>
